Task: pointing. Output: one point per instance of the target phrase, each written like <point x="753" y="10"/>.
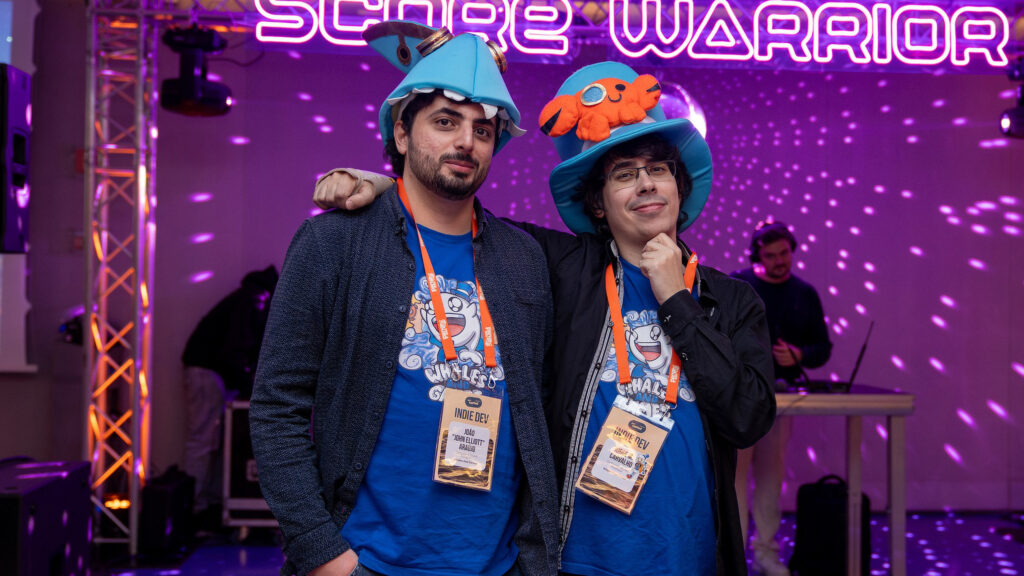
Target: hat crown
<point x="463" y="64"/>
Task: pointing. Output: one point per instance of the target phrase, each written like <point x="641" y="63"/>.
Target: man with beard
<point x="799" y="339"/>
<point x="427" y="455"/>
<point x="660" y="368"/>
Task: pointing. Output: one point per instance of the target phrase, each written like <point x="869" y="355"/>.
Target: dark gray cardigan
<point x="331" y="348"/>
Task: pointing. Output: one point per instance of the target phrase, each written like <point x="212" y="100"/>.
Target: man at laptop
<point x="799" y="340"/>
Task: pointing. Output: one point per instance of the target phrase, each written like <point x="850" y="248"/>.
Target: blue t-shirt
<point x="403" y="522"/>
<point x="672" y="528"/>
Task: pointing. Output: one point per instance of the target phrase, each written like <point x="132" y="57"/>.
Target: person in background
<point x="220" y="364"/>
<point x="799" y="340"/>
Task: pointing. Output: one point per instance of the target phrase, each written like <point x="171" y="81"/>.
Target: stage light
<point x="191" y="93"/>
<point x="1011" y="123"/>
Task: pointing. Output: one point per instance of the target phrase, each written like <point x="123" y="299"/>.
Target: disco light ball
<point x="678" y="103"/>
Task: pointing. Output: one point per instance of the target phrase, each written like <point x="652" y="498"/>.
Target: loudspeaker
<point x="45" y="518"/>
<point x="166" y="519"/>
<point x="15" y="127"/>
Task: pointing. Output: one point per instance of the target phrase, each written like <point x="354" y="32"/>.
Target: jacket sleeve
<point x="819" y="348"/>
<point x="730" y="372"/>
<point x="282" y="405"/>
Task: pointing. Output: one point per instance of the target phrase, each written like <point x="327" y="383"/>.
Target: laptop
<point x="828" y="386"/>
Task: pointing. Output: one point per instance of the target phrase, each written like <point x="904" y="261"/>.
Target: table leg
<point x="898" y="495"/>
<point x="853" y="480"/>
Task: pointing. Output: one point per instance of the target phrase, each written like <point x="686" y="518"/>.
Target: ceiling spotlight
<point x="191" y="93"/>
<point x="1011" y="123"/>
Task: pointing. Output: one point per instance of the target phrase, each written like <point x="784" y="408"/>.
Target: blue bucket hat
<point x="463" y="67"/>
<point x="582" y="138"/>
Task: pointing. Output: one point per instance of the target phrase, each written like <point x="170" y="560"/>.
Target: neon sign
<point x="778" y="31"/>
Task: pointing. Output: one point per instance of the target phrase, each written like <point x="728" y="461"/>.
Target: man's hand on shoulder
<point x="343" y="565"/>
<point x="349" y="189"/>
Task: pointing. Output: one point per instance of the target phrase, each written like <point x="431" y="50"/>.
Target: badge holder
<point x="621" y="460"/>
<point x="466" y="440"/>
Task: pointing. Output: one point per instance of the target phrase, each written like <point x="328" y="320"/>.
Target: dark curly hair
<point x="651" y="147"/>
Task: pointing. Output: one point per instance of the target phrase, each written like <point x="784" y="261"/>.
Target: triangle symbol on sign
<point x="715" y="38"/>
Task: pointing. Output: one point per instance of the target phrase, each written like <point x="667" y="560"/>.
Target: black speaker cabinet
<point x="45" y="517"/>
<point x="166" y="521"/>
<point x="15" y="127"/>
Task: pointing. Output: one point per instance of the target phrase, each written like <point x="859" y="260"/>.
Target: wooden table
<point x="865" y="401"/>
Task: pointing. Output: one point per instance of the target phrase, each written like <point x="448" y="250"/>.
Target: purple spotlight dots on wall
<point x="1018" y="368"/>
<point x="869" y="286"/>
<point x="897" y="362"/>
<point x="916" y="251"/>
<point x="841" y="265"/>
<point x="326" y="129"/>
<point x="965" y="417"/>
<point x="979" y="229"/>
<point x="882" y="432"/>
<point x="977" y="264"/>
<point x="973" y="211"/>
<point x="812" y="455"/>
<point x="201" y="276"/>
<point x="985" y="205"/>
<point x="912" y="139"/>
<point x="947" y="301"/>
<point x="371" y="125"/>
<point x="860" y="309"/>
<point x="997" y="409"/>
<point x="907" y="194"/>
<point x="239" y="140"/>
<point x="937" y="365"/>
<point x="1008" y="200"/>
<point x="953" y="454"/>
<point x="319" y="119"/>
<point x="200" y="197"/>
<point x="938" y="103"/>
<point x="938" y="321"/>
<point x="833" y="290"/>
<point x="869" y="266"/>
<point x="202" y="238"/>
<point x="885" y="108"/>
<point x="213" y="77"/>
<point x="870" y="211"/>
<point x="908" y="121"/>
<point x="364" y="67"/>
<point x="847" y="139"/>
<point x="1007" y="94"/>
<point x="947" y="210"/>
<point x="829" y="224"/>
<point x="1012" y="216"/>
<point x="304" y="96"/>
<point x="294" y="55"/>
<point x="959" y="121"/>
<point x="954" y="220"/>
<point x="800" y="265"/>
<point x="855" y="230"/>
<point x="879" y="189"/>
<point x="1011" y="230"/>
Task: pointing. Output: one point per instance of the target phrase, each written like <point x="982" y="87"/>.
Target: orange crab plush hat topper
<point x="601" y="106"/>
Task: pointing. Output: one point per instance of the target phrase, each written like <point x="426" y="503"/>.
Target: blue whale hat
<point x="464" y="67"/>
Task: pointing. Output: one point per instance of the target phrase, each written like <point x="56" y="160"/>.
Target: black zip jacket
<point x="722" y="342"/>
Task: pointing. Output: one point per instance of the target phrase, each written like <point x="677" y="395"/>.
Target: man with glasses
<point x="660" y="367"/>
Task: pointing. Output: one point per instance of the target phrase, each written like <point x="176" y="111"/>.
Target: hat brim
<point x="566" y="178"/>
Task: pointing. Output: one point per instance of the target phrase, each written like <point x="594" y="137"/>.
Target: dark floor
<point x="937" y="545"/>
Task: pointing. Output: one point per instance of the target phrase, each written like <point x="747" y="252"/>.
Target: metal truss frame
<point x="120" y="221"/>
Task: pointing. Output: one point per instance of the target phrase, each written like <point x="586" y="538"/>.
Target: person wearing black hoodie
<point x="220" y="363"/>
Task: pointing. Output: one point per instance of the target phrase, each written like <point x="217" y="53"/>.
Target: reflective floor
<point x="937" y="545"/>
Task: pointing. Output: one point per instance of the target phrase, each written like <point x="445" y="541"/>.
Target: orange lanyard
<point x="619" y="330"/>
<point x="490" y="358"/>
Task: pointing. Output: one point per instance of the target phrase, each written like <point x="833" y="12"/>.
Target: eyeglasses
<point x="626" y="177"/>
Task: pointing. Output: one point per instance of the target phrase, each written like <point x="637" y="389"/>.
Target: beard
<point x="448" y="186"/>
